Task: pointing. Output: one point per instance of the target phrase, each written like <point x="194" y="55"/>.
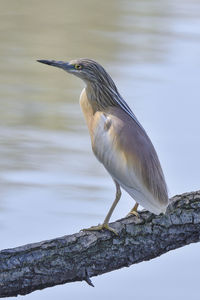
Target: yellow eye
<point x="78" y="67"/>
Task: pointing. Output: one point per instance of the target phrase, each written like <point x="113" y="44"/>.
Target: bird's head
<point x="84" y="68"/>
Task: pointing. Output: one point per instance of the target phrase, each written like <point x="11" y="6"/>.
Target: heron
<point x="118" y="140"/>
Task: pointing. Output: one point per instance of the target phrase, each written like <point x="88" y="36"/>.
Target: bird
<point x="118" y="140"/>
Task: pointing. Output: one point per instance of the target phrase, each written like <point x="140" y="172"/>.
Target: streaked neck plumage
<point x="103" y="93"/>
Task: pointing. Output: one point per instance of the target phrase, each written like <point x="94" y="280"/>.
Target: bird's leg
<point x="134" y="210"/>
<point x="107" y="218"/>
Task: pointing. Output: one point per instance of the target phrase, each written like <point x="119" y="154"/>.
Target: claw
<point x="100" y="227"/>
<point x="133" y="212"/>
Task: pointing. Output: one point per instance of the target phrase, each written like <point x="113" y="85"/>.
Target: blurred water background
<point x="50" y="182"/>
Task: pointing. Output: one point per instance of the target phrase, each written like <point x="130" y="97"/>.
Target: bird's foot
<point x="100" y="227"/>
<point x="134" y="213"/>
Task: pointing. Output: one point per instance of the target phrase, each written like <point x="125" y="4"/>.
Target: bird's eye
<point x="78" y="67"/>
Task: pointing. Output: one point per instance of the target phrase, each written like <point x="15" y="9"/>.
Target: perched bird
<point x="118" y="140"/>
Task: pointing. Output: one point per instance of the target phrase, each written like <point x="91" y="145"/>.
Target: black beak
<point x="59" y="64"/>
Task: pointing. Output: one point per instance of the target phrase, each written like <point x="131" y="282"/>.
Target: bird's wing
<point x="129" y="156"/>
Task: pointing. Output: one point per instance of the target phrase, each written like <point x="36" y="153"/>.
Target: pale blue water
<point x="51" y="184"/>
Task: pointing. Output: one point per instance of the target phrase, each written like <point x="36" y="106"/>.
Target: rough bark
<point x="85" y="254"/>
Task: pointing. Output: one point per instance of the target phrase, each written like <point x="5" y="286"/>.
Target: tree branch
<point x="85" y="254"/>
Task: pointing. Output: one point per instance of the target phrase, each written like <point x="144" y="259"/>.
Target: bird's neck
<point x="101" y="96"/>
